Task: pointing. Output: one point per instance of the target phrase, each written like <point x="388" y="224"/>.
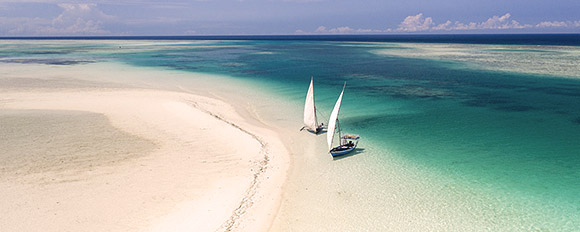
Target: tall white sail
<point x="332" y="120"/>
<point x="309" y="109"/>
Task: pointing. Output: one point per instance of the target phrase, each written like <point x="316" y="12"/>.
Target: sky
<point x="285" y="17"/>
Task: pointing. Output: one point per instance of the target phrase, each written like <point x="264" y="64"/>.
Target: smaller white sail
<point x="333" y="118"/>
<point x="309" y="109"/>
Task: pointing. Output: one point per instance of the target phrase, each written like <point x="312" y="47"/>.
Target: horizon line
<point x="289" y="35"/>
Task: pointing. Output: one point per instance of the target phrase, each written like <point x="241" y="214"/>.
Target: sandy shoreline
<point x="100" y="155"/>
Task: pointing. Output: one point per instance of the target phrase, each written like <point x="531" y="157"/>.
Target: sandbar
<point x="84" y="153"/>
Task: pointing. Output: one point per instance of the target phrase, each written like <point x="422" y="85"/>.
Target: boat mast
<point x="333" y="121"/>
<point x="313" y="104"/>
<point x="338" y="121"/>
<point x="339" y="134"/>
<point x="310" y="120"/>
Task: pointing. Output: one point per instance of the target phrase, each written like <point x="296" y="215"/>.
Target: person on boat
<point x="350" y="144"/>
<point x="319" y="128"/>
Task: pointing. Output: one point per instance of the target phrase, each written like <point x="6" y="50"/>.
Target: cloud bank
<point x="419" y="23"/>
<point x="340" y="30"/>
<point x="75" y="19"/>
<point x="70" y="18"/>
<point x="415" y="23"/>
<point x="558" y="24"/>
<point x="494" y="23"/>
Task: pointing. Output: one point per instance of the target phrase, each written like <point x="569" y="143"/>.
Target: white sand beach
<point x="91" y="148"/>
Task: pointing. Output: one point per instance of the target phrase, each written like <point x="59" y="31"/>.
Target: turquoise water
<point x="509" y="133"/>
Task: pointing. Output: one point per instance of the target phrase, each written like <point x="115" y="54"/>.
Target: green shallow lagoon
<point x="499" y="145"/>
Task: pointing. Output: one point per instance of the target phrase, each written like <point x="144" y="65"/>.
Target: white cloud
<point x="494" y="23"/>
<point x="368" y="31"/>
<point x="415" y="23"/>
<point x="558" y="24"/>
<point x="75" y="19"/>
<point x="461" y="26"/>
<point x="443" y="27"/>
<point x="341" y="30"/>
<point x="552" y="24"/>
<point x="78" y="13"/>
<point x="321" y="29"/>
<point x="419" y="23"/>
<point x="337" y="30"/>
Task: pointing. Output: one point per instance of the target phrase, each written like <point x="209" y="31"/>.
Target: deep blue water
<point x="520" y="39"/>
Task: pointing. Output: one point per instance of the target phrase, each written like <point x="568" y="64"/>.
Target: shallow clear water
<point x="509" y="135"/>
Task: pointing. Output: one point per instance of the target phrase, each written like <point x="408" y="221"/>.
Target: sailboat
<point x="310" y="120"/>
<point x="347" y="142"/>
